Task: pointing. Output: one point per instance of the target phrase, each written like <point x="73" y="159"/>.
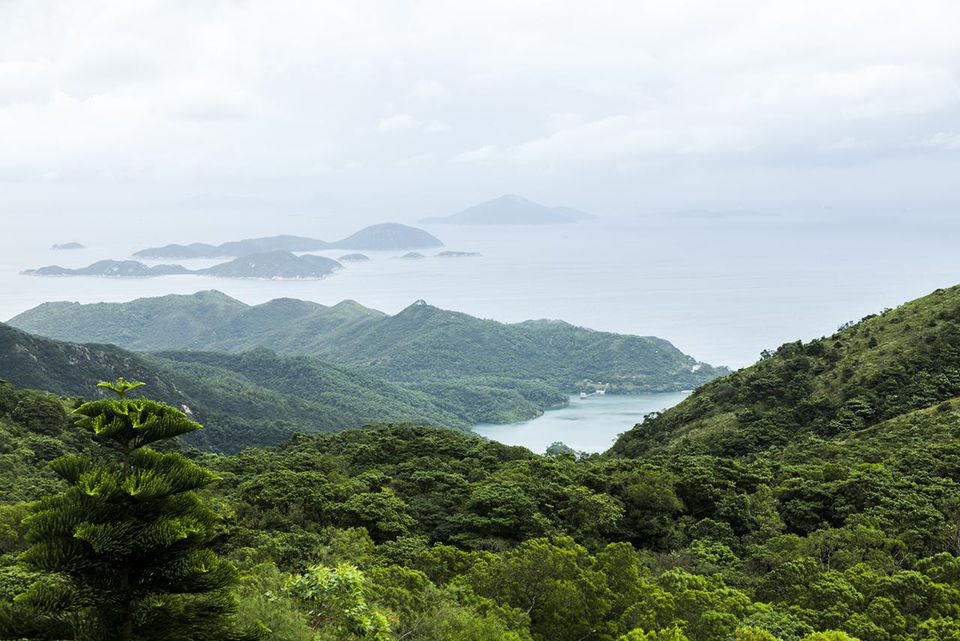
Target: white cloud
<point x="263" y="89"/>
<point x="397" y="122"/>
<point x="437" y="127"/>
<point x="478" y="154"/>
<point x="430" y="90"/>
<point x="947" y="140"/>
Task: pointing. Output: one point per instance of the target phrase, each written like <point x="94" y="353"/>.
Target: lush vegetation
<point x="793" y="524"/>
<point x="250" y="399"/>
<point x="867" y="372"/>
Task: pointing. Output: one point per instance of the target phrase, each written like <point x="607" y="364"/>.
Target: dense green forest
<point x="812" y="496"/>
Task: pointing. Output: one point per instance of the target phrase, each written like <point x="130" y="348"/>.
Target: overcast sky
<point x="426" y="107"/>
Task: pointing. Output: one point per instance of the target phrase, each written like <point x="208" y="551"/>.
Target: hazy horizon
<point x="760" y="171"/>
<point x="379" y="111"/>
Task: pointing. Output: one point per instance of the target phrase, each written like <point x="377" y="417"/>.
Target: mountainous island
<point x="280" y="265"/>
<point x="814" y="496"/>
<point x="512" y="210"/>
<point x="277" y="265"/>
<point x="110" y="269"/>
<point x="386" y="236"/>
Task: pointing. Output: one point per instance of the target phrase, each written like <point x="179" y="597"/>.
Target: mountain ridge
<point x="420" y="341"/>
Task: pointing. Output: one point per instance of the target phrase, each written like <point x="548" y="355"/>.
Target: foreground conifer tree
<point x="125" y="551"/>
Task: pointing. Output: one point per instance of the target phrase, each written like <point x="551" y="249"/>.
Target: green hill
<point x="881" y="367"/>
<point x="245" y="399"/>
<point x="418" y="344"/>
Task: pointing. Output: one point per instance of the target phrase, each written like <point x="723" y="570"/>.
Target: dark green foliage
<point x="124" y="552"/>
<point x="814" y="497"/>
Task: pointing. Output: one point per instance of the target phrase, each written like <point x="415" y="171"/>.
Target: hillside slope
<point x="245" y="399"/>
<point x="884" y="366"/>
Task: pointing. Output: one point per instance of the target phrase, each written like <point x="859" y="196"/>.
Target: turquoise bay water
<point x="587" y="425"/>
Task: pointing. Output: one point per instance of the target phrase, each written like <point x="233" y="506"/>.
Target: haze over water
<point x="721" y="289"/>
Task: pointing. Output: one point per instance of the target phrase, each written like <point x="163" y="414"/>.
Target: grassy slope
<point x="882" y="367"/>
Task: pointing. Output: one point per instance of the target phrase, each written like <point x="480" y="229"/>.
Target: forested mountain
<point x="879" y="368"/>
<point x="421" y="343"/>
<point x="245" y="399"/>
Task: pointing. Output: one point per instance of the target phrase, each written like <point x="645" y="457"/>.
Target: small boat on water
<point x="599" y="392"/>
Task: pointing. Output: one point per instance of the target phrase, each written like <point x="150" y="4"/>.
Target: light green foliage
<point x="336" y="605"/>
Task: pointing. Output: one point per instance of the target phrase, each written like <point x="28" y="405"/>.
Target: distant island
<point x="452" y="254"/>
<point x="388" y="236"/>
<point x="235" y="248"/>
<point x="512" y="210"/>
<point x="278" y="265"/>
<point x="413" y="256"/>
<point x="68" y="246"/>
<point x="110" y="269"/>
<point x="354" y="258"/>
<point x="385" y="237"/>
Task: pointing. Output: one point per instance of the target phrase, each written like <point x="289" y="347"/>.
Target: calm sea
<point x="720" y="288"/>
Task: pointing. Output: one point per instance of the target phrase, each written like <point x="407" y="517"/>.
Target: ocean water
<point x="587" y="425"/>
<point x="721" y="288"/>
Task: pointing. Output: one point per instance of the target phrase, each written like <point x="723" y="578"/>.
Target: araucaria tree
<point x="125" y="551"/>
